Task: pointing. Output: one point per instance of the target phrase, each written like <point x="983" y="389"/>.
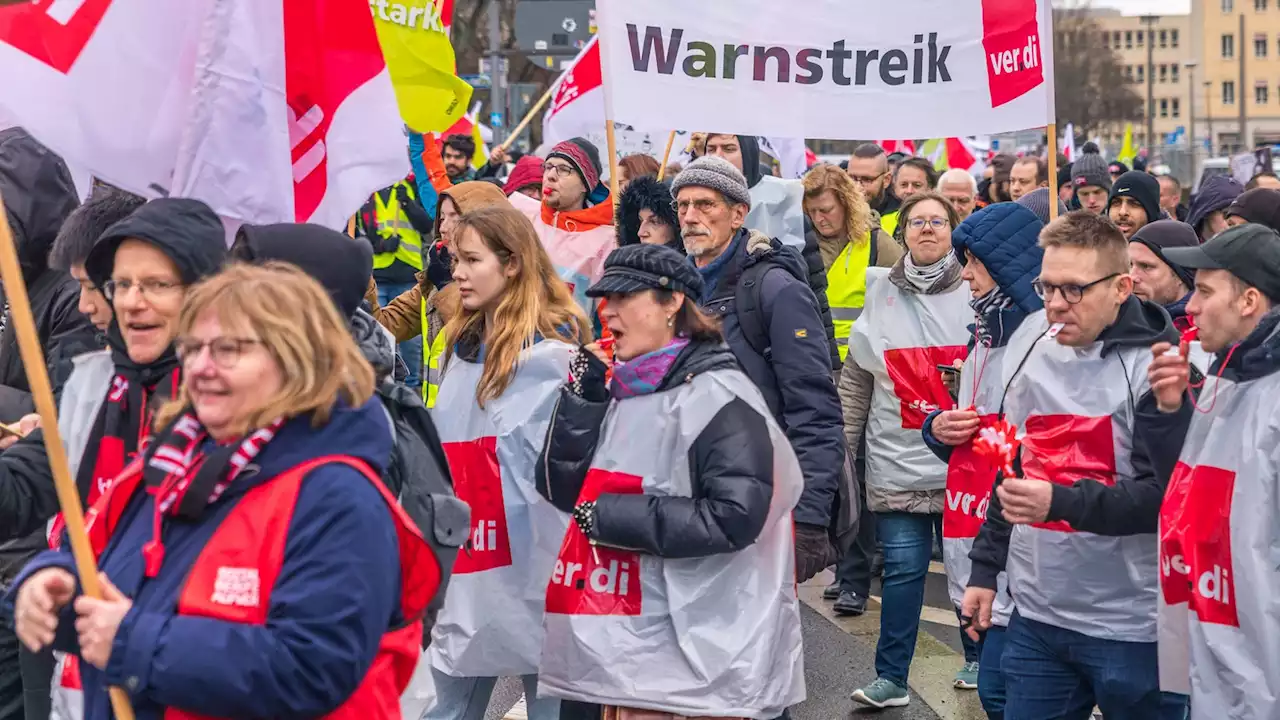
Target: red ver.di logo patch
<point x="917" y="382"/>
<point x="1206" y="544"/>
<point x="593" y="580"/>
<point x="478" y="481"/>
<point x="1011" y="45"/>
<point x="54" y="32"/>
<point x="969" y="480"/>
<point x="1065" y="448"/>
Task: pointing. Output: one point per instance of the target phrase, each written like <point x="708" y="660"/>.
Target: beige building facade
<point x="1167" y="42"/>
<point x="1238" y="44"/>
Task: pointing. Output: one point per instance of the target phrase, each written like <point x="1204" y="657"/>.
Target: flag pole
<point x="666" y="156"/>
<point x="613" y="160"/>
<point x="1052" y="131"/>
<point x="41" y="391"/>
<point x="524" y="122"/>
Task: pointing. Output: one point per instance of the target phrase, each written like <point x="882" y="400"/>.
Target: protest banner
<point x="268" y="112"/>
<point x="829" y="68"/>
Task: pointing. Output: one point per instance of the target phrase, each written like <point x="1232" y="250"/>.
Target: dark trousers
<point x="853" y="571"/>
<point x="10" y="675"/>
<point x="991" y="673"/>
<point x="37" y="682"/>
<point x="1057" y="674"/>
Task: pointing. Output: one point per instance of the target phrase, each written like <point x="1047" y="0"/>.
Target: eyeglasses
<point x="1072" y="293"/>
<point x="150" y="289"/>
<point x="563" y="171"/>
<point x="225" y="352"/>
<point x="704" y="206"/>
<point x="867" y="180"/>
<point x="935" y="223"/>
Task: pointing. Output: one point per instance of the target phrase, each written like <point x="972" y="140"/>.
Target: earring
<point x="671" y="322"/>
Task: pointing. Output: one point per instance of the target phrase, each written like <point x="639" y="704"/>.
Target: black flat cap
<point x="636" y="268"/>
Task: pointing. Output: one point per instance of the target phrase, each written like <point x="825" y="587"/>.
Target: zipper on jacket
<point x="546" y="459"/>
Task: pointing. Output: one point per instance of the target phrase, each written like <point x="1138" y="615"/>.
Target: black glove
<point x="587" y="376"/>
<point x="814" y="552"/>
<point x="439" y="265"/>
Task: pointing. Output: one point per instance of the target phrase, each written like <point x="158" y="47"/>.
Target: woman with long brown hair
<point x="254" y="565"/>
<point x="509" y="351"/>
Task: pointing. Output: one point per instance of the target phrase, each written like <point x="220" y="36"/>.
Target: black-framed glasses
<point x="1071" y="292"/>
<point x="225" y="351"/>
<point x="867" y="180"/>
<point x="563" y="171"/>
<point x="150" y="289"/>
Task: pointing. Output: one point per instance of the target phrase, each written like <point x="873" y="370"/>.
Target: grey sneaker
<point x="967" y="678"/>
<point x="831" y="592"/>
<point x="882" y="693"/>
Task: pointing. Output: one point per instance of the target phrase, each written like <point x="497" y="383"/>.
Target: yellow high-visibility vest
<point x="392" y="222"/>
<point x="889" y="222"/>
<point x="847" y="289"/>
<point x="433" y="351"/>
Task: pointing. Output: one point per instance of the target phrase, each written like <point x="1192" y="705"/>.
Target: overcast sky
<point x="1135" y="7"/>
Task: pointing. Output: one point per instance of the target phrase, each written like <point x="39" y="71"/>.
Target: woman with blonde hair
<point x="253" y="563"/>
<point x="509" y="351"/>
<point x="851" y="240"/>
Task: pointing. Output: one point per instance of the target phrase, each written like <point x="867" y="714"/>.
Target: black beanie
<point x="339" y="263"/>
<point x="1163" y="234"/>
<point x="1141" y="187"/>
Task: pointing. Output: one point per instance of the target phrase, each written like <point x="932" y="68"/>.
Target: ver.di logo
<point x="54" y="32"/>
<point x="1011" y="46"/>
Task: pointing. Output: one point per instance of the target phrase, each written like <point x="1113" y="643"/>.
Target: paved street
<point x="840" y="656"/>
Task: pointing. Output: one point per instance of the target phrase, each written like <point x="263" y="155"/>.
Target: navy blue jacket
<point x="1217" y="193"/>
<point x="796" y="378"/>
<point x="336" y="595"/>
<point x="1005" y="238"/>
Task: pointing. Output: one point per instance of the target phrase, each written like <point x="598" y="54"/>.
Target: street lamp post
<point x="1208" y="111"/>
<point x="1151" y="21"/>
<point x="1190" y="65"/>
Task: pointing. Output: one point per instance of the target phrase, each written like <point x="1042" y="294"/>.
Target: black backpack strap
<point x="875" y="247"/>
<point x="750" y="308"/>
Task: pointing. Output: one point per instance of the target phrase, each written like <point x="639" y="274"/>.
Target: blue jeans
<point x="908" y="547"/>
<point x="991" y="674"/>
<point x="468" y="698"/>
<point x="410" y="350"/>
<point x="1057" y="674"/>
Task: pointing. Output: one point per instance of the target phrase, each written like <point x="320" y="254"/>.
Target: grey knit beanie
<point x="717" y="174"/>
<point x="1090" y="171"/>
<point x="1037" y="201"/>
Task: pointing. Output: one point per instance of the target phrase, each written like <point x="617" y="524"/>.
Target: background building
<point x="1238" y="44"/>
<point x="1165" y="40"/>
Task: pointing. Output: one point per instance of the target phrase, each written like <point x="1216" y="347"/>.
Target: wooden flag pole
<point x="41" y="391"/>
<point x="1052" y="132"/>
<point x="666" y="156"/>
<point x="528" y="117"/>
<point x="613" y="160"/>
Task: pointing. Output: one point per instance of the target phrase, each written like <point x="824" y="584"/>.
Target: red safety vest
<point x="232" y="578"/>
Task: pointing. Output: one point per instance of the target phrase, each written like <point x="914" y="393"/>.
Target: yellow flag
<point x="415" y="42"/>
<point x="1127" y="153"/>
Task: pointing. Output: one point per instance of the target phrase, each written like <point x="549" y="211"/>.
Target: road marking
<point x="519" y="712"/>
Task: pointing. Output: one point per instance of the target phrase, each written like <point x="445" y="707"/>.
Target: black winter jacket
<point x="730" y="464"/>
<point x="1130" y="507"/>
<point x="39" y="195"/>
<point x="795" y="373"/>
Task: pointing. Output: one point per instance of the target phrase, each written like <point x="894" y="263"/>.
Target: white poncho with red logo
<point x="1219" y="554"/>
<point x="1074" y="409"/>
<point x="970" y="478"/>
<point x="491" y="624"/>
<point x="901" y="338"/>
<point x="716" y="635"/>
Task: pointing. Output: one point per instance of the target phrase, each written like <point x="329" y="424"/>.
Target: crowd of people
<point x="509" y="425"/>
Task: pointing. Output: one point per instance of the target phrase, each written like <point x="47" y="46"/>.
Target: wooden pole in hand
<point x="666" y="156"/>
<point x="38" y="379"/>
<point x="1052" y="132"/>
<point x="613" y="161"/>
<point x="529" y="116"/>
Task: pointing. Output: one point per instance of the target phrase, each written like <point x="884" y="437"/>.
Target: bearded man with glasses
<point x="1075" y="530"/>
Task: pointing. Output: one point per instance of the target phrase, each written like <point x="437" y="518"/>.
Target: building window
<point x="1260" y="46"/>
<point x="1260" y="95"/>
<point x="1164" y="107"/>
<point x="1164" y="73"/>
<point x="1115" y="39"/>
<point x="1164" y="39"/>
<point x="1260" y="5"/>
<point x="1106" y="37"/>
<point x="1175" y="106"/>
<point x="1173" y="39"/>
<point x="1142" y="72"/>
<point x="1140" y="38"/>
<point x="1128" y="39"/>
<point x="1228" y="6"/>
<point x="1228" y="92"/>
<point x="1128" y="73"/>
<point x="1173" y="72"/>
<point x="1228" y="46"/>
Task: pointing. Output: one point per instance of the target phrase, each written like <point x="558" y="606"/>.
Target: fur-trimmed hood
<point x="646" y="193"/>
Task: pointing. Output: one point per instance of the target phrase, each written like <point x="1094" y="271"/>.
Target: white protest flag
<point x="829" y="68"/>
<point x="1068" y="146"/>
<point x="268" y="111"/>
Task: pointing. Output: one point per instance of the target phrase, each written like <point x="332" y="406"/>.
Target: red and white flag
<point x="907" y="147"/>
<point x="268" y="111"/>
<point x="577" y="106"/>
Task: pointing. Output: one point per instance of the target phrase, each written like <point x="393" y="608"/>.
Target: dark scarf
<point x="716" y="269"/>
<point x="997" y="317"/>
<point x="186" y="478"/>
<point x="125" y="415"/>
